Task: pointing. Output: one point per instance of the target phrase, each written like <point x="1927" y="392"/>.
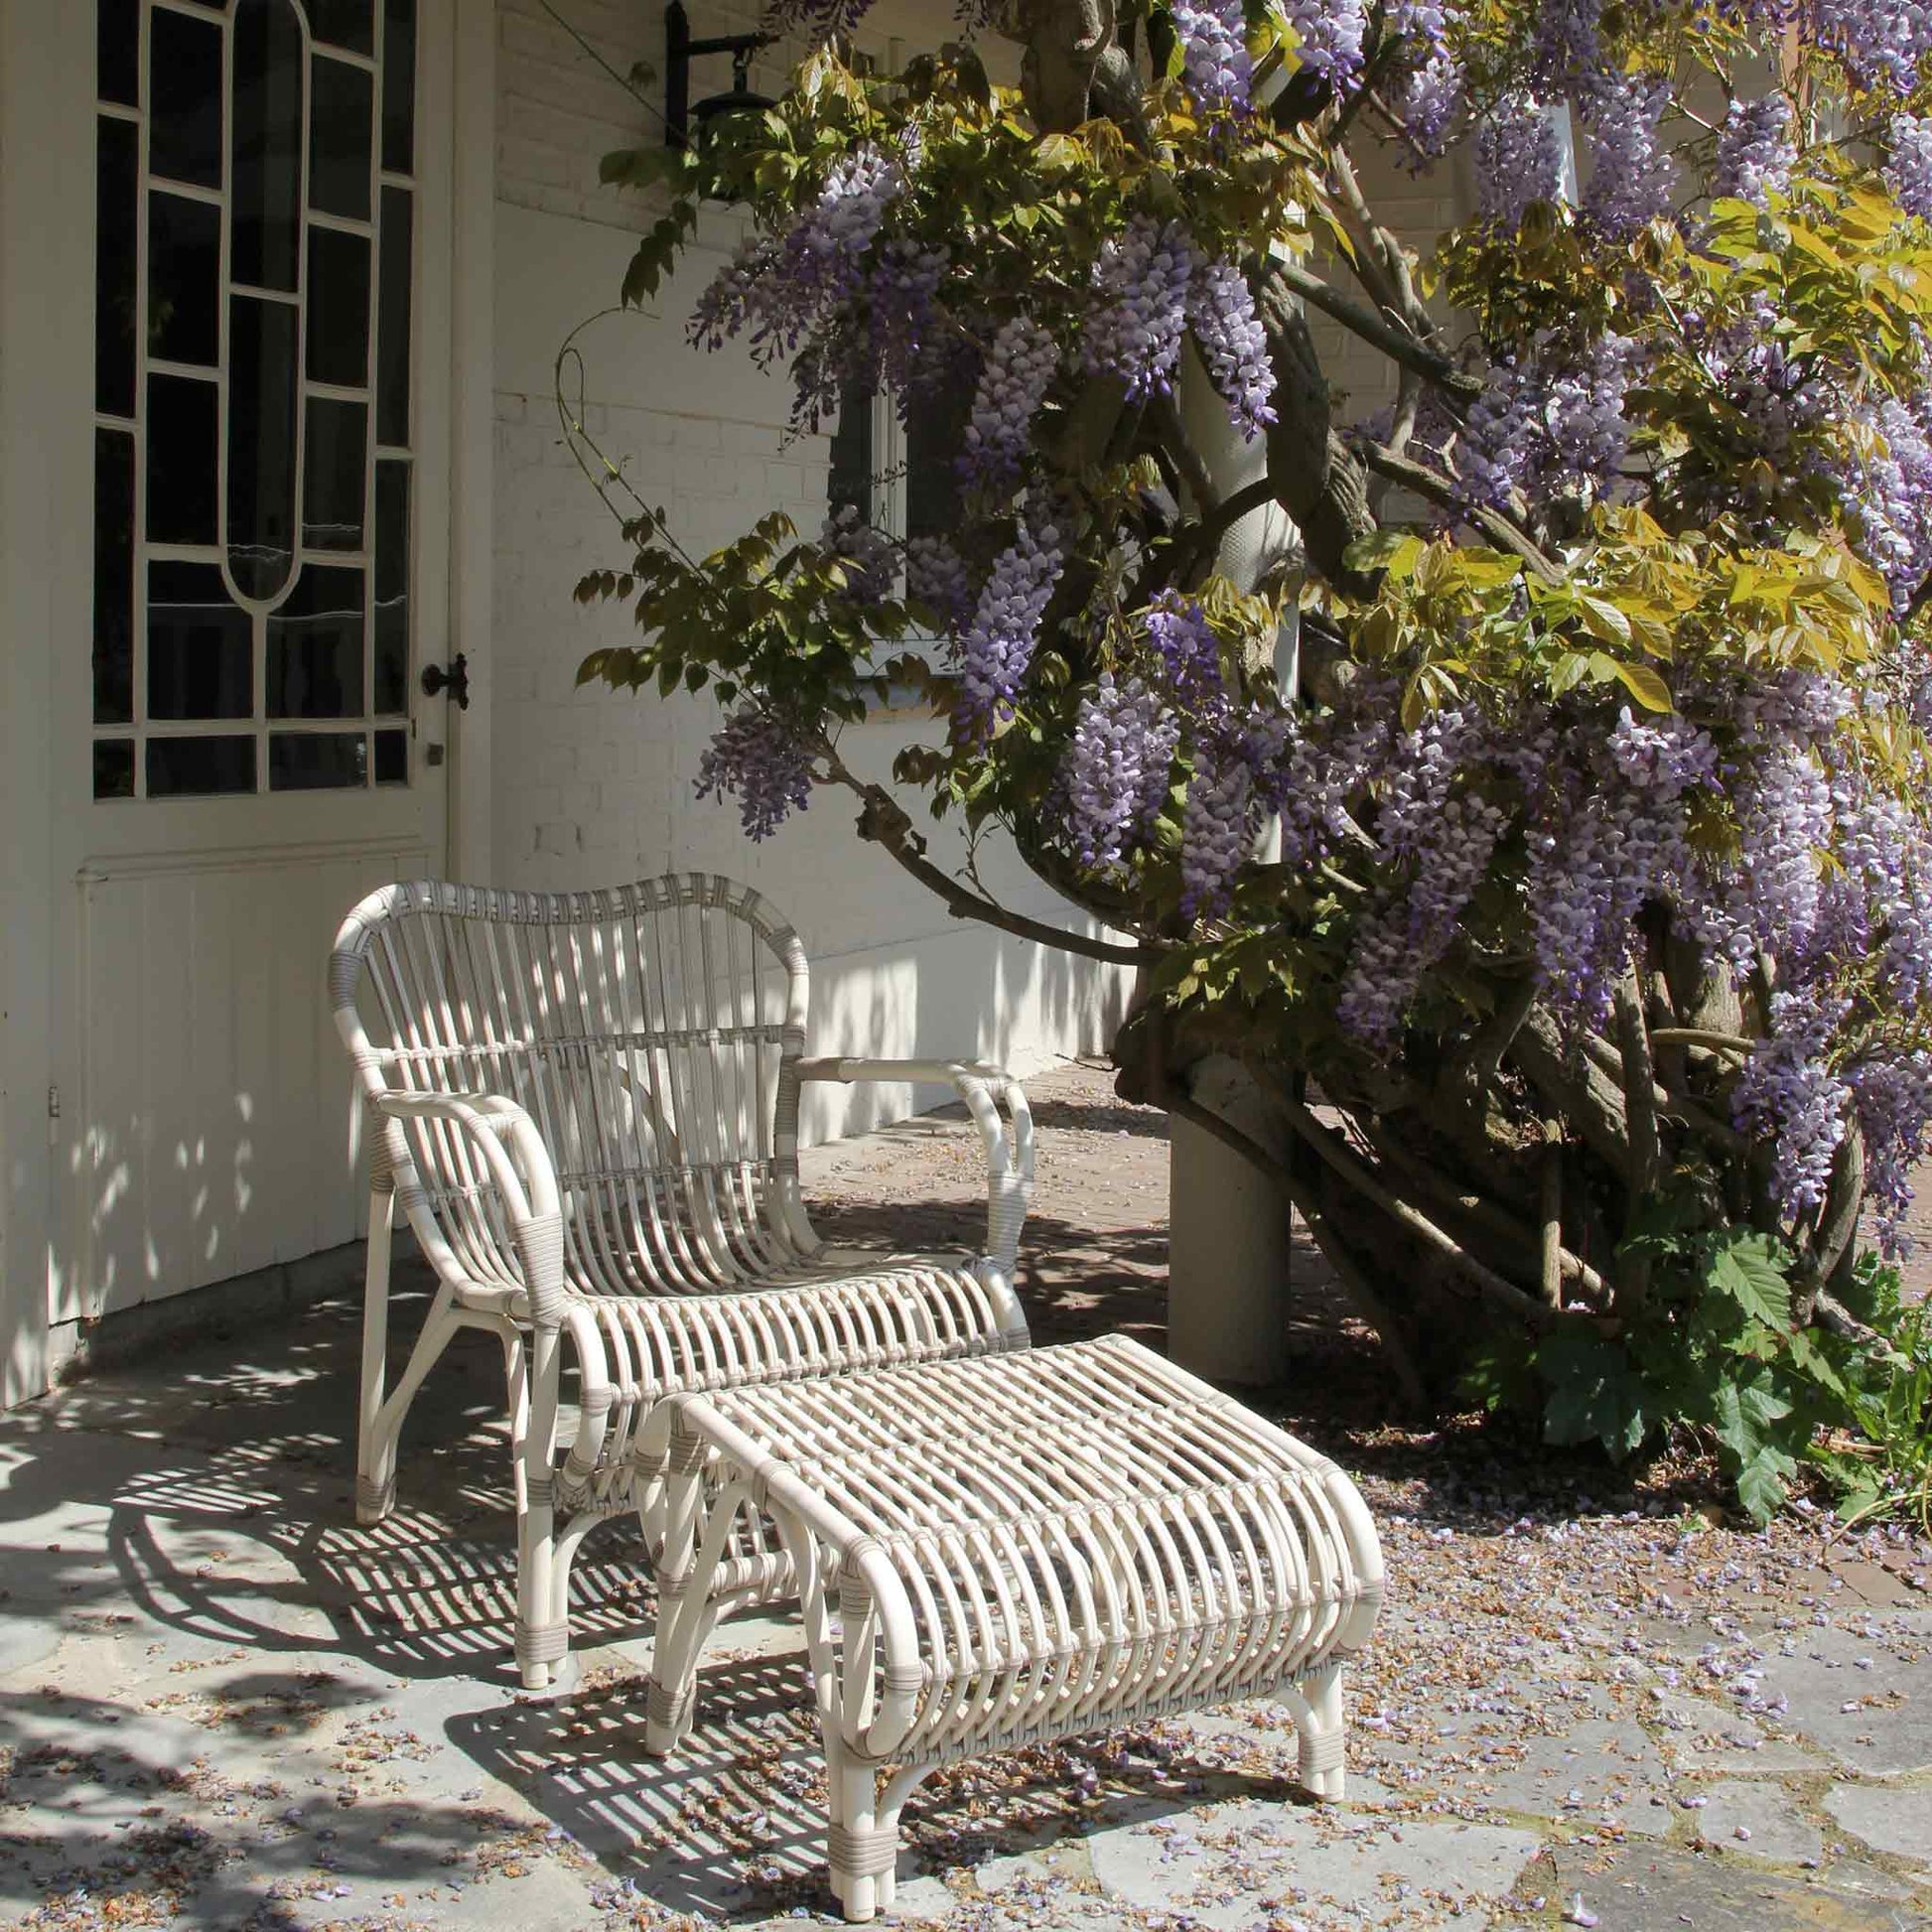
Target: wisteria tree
<point x="1583" y="862"/>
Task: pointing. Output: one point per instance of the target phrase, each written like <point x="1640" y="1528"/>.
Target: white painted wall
<point x="1419" y="209"/>
<point x="30" y="619"/>
<point x="591" y="786"/>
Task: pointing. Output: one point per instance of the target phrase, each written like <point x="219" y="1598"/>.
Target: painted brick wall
<point x="1419" y="209"/>
<point x="591" y="788"/>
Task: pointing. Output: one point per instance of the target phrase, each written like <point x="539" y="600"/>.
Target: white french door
<point x="271" y="574"/>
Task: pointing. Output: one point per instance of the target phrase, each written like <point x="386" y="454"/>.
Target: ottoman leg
<point x="688" y="1604"/>
<point x="1319" y="1720"/>
<point x="861" y="1846"/>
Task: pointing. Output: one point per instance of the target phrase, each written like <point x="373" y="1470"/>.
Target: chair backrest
<point x="651" y="1031"/>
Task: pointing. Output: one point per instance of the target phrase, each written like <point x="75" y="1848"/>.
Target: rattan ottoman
<point x="997" y="1551"/>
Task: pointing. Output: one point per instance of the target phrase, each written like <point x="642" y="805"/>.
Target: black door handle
<point x="454" y="681"/>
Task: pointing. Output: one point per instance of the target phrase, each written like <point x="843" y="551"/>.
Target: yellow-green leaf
<point x="1646" y="686"/>
<point x="1603" y="619"/>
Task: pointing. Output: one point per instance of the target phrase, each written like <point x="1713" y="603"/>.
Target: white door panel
<point x="209" y="1130"/>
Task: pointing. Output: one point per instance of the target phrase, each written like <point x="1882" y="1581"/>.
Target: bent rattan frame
<point x="586" y="1106"/>
<point x="1127" y="1543"/>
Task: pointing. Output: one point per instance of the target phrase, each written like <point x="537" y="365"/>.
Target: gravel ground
<point x="1592" y="1698"/>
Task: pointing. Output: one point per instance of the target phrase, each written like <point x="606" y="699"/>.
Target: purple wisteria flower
<point x="1882" y="43"/>
<point x="872" y="564"/>
<point x="1551" y="427"/>
<point x="1518" y="161"/>
<point x="1893" y="1104"/>
<point x="1783" y="806"/>
<point x="902" y="318"/>
<point x="1423" y="25"/>
<point x="938" y="576"/>
<point x="1428" y="102"/>
<point x="1447" y="836"/>
<point x="1779" y="395"/>
<point x="1019" y="367"/>
<point x="1330" y="33"/>
<point x="1422" y="81"/>
<point x="1115" y="776"/>
<point x="1567" y="59"/>
<point x="1787" y="1095"/>
<point x="1887" y="488"/>
<point x="1399" y="941"/>
<point x="1213" y="36"/>
<point x="744" y="295"/>
<point x="1217" y="830"/>
<point x="1492" y="451"/>
<point x="1610" y="841"/>
<point x="824" y="248"/>
<point x="1233" y="345"/>
<point x="1189" y="654"/>
<point x="785" y="290"/>
<point x="1756" y="150"/>
<point x="1909" y="171"/>
<point x="1632" y="176"/>
<point x="1144" y="278"/>
<point x="1880" y="892"/>
<point x="760" y="759"/>
<point x="1806" y="707"/>
<point x="997" y="649"/>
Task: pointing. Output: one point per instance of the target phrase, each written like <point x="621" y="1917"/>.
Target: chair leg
<point x="862" y="1845"/>
<point x="376" y="1445"/>
<point x="1319" y="1720"/>
<point x="542" y="1634"/>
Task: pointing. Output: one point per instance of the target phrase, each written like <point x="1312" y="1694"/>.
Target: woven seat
<point x="586" y="1106"/>
<point x="1124" y="1544"/>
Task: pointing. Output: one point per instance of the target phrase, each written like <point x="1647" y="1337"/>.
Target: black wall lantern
<point x="680" y="50"/>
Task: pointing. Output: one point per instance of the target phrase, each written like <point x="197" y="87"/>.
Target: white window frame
<point x="141" y="729"/>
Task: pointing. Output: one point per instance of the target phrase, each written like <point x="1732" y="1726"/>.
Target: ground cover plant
<point x="1537" y="763"/>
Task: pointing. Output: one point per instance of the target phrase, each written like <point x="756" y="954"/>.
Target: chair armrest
<point x="513" y="1154"/>
<point x="1008" y="1149"/>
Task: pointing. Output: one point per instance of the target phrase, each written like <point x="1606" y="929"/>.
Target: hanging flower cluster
<point x="1649" y="659"/>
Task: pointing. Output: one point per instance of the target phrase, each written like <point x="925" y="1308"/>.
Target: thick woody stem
<point x="1434" y="487"/>
<point x="1487" y="1215"/>
<point x="1399" y="343"/>
<point x="1670" y="1103"/>
<point x="1065" y="43"/>
<point x="1837" y="1225"/>
<point x="1581" y="1092"/>
<point x="1550" y="1191"/>
<point x="1639" y="1085"/>
<point x="1355" y="1282"/>
<point x="1329" y="1146"/>
<point x="1315" y="479"/>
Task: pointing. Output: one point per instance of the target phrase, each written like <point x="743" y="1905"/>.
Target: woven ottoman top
<point x="1075" y="1535"/>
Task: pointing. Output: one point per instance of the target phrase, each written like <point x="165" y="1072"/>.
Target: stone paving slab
<point x="223" y="1704"/>
<point x="1888" y="1818"/>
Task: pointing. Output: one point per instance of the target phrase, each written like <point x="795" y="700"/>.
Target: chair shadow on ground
<point x="430" y="1591"/>
<point x="228" y="1482"/>
<point x="237" y="1530"/>
<point x="732" y="1824"/>
<point x="109" y="1831"/>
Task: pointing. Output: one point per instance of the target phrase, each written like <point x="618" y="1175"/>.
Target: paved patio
<point x="1592" y="1699"/>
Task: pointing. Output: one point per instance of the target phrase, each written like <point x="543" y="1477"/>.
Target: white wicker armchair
<point x="587" y="1105"/>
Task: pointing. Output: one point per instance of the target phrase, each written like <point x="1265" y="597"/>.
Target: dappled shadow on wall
<point x="212" y="1131"/>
